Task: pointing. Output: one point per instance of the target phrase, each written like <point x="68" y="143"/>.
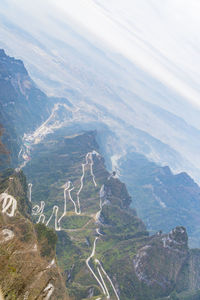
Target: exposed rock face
<point x="160" y="262"/>
<point x="28" y="268"/>
<point x="103" y="247"/>
<point x="194" y="269"/>
<point x="140" y="266"/>
<point x="19" y="97"/>
<point x="23" y="107"/>
<point x="163" y="200"/>
<point x="116" y="190"/>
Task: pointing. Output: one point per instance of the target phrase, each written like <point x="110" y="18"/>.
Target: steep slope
<point x="103" y="248"/>
<point x="163" y="200"/>
<point x="66" y="60"/>
<point x="28" y="268"/>
<point x="34" y="116"/>
<point x="23" y="107"/>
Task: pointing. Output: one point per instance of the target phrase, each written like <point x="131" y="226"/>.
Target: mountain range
<point x="63" y="193"/>
<point x="143" y="111"/>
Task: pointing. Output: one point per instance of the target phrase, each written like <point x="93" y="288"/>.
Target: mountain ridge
<point x="28" y="265"/>
<point x="103" y="249"/>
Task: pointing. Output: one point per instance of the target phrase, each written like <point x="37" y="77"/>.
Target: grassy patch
<point x="75" y="222"/>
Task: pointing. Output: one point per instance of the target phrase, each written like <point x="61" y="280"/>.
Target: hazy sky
<point x="161" y="36"/>
<point x="76" y="49"/>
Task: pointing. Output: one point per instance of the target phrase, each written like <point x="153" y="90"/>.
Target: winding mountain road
<point x="100" y="268"/>
<point x="29" y="191"/>
<point x="68" y="187"/>
<point x="101" y="277"/>
<point x="9" y="204"/>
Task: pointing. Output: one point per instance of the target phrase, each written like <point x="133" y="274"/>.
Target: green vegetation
<point x="187" y="295"/>
<point x="25" y="256"/>
<point x="162" y="200"/>
<point x="47" y="239"/>
<point x="59" y="159"/>
<point x="75" y="222"/>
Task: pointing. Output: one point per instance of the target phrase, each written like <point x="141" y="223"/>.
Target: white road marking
<point x="70" y="197"/>
<point x="9" y="203"/>
<point x="29" y="191"/>
<point x="20" y="153"/>
<point x="88" y="161"/>
<point x="26" y="295"/>
<point x="7" y="235"/>
<point x="87" y="263"/>
<point x="51" y="264"/>
<point x="101" y="195"/>
<point x="97" y="261"/>
<point x="108" y="295"/>
<point x="54" y="212"/>
<point x="91" y="166"/>
<point x="36" y="210"/>
<point x="98" y="232"/>
<point x="80" y="189"/>
<point x="49" y="289"/>
<point x="41" y="217"/>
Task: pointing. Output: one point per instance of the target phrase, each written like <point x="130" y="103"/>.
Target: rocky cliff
<point x="28" y="267"/>
<point x="162" y="199"/>
<point x="103" y="248"/>
<point x="23" y="107"/>
<point x="71" y="205"/>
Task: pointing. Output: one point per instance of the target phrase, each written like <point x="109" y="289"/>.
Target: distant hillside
<point x="65" y="206"/>
<point x="98" y="231"/>
<point x="162" y="199"/>
<point x="23" y="107"/>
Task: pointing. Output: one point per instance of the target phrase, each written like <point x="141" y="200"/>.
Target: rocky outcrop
<point x="140" y="266"/>
<point x="28" y="268"/>
<point x="162" y="199"/>
<point x="194" y="269"/>
<point x="160" y="262"/>
<point x="103" y="248"/>
<point x="23" y="107"/>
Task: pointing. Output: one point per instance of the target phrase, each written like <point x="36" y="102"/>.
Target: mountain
<point x="28" y="265"/>
<point x="163" y="200"/>
<point x="36" y="117"/>
<point x="103" y="247"/>
<point x="22" y="104"/>
<point x="23" y="107"/>
<point x="81" y="210"/>
<point x="155" y="116"/>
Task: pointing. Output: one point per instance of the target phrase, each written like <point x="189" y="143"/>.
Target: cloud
<point x="160" y="36"/>
<point x="120" y="54"/>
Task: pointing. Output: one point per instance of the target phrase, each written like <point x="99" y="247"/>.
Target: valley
<point x="72" y="217"/>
